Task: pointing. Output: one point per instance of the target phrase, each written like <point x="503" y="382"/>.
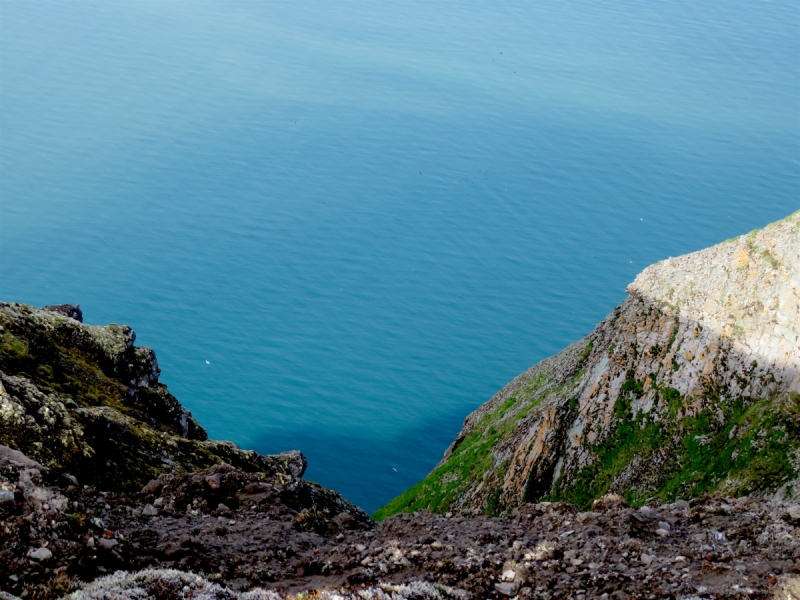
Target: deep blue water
<point x="369" y="216"/>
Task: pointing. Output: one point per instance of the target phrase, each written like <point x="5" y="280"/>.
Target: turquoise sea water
<point x="344" y="226"/>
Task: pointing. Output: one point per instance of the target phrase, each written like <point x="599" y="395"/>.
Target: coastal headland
<point x="658" y="457"/>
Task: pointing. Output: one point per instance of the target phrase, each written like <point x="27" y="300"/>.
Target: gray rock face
<point x="73" y="311"/>
<point x="295" y="462"/>
<point x="745" y="290"/>
<point x="149" y="510"/>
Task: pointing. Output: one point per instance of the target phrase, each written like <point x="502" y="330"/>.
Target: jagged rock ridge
<point x="84" y="399"/>
<point x="689" y="386"/>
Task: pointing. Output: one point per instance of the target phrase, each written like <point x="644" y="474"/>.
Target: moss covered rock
<point x="85" y="400"/>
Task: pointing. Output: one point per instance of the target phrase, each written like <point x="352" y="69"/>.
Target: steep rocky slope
<point x="691" y="385"/>
<point x="84" y="400"/>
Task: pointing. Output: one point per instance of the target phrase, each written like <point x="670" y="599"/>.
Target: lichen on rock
<point x="84" y="399"/>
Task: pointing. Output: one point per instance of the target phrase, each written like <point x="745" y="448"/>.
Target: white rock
<point x="40" y="554"/>
<point x="506" y="588"/>
<point x="149" y="510"/>
<point x="793" y="514"/>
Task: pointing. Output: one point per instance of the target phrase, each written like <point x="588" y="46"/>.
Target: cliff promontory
<point x="690" y="386"/>
<point x="110" y="490"/>
<point x="84" y="400"/>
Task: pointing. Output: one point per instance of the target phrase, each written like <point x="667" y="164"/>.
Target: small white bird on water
<point x="208" y="363"/>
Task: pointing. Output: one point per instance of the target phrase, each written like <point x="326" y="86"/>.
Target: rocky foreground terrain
<point x="237" y="531"/>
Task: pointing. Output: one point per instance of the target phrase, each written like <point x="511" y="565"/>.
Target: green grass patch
<point x="473" y="460"/>
<point x="13" y="347"/>
<point x="632" y="386"/>
<point x="673" y="399"/>
<point x="628" y="441"/>
<point x="586" y="351"/>
<point x="753" y="451"/>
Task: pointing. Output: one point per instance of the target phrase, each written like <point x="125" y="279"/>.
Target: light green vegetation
<point x="472" y="460"/>
<point x="752" y="452"/>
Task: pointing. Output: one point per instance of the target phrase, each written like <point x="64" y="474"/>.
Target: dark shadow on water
<point x="367" y="471"/>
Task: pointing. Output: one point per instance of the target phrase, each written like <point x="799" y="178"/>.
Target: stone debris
<point x="149" y="510"/>
<point x="273" y="538"/>
<point x="40" y="554"/>
<point x="170" y="584"/>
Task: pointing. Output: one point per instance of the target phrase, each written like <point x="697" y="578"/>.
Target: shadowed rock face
<point x="689" y="386"/>
<point x="85" y="400"/>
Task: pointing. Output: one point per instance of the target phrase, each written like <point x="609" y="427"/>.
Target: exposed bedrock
<point x="84" y="399"/>
<point x="691" y="385"/>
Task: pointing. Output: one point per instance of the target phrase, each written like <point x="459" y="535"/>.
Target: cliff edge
<point x="690" y="386"/>
<point x="84" y="400"/>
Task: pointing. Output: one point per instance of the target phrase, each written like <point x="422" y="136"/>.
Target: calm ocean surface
<point x="344" y="226"/>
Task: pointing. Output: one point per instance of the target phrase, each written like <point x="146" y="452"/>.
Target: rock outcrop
<point x="686" y="394"/>
<point x="690" y="386"/>
<point x="85" y="400"/>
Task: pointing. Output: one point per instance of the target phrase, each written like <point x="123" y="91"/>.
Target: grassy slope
<point x="473" y="459"/>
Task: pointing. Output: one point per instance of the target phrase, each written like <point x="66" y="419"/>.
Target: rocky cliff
<point x="85" y="401"/>
<point x="691" y="385"/>
<point x="102" y="470"/>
